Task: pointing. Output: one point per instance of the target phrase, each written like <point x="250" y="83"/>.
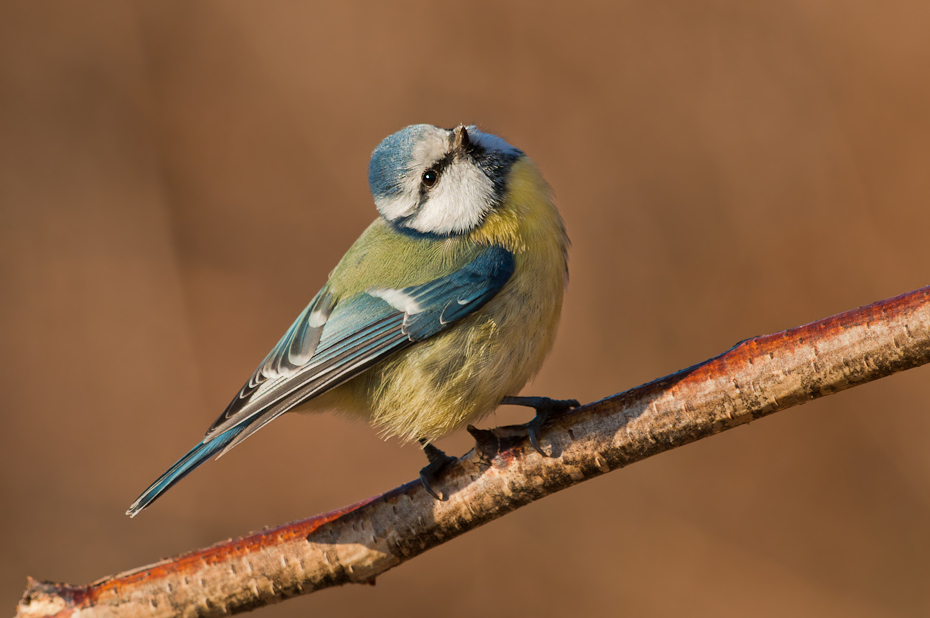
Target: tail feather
<point x="183" y="467"/>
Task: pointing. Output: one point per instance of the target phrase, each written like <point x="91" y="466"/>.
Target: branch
<point x="755" y="378"/>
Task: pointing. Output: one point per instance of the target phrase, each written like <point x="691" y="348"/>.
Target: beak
<point x="460" y="140"/>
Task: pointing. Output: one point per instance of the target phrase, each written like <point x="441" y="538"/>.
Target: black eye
<point x="429" y="178"/>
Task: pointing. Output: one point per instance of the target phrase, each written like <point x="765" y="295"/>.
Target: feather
<point x="180" y="469"/>
<point x="336" y="341"/>
<point x="367" y="328"/>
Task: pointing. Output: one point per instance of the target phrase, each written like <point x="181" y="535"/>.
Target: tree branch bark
<point x="755" y="378"/>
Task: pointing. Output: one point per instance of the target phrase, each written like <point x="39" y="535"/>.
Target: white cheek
<point x="394" y="208"/>
<point x="457" y="203"/>
<point x="403" y="205"/>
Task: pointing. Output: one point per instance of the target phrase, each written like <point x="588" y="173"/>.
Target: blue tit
<point x="442" y="310"/>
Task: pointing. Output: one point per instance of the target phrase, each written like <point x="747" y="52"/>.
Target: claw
<point x="438" y="460"/>
<point x="532" y="430"/>
<point x="424" y="478"/>
<point x="544" y="406"/>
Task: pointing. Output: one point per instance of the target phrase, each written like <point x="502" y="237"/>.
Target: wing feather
<point x="332" y="342"/>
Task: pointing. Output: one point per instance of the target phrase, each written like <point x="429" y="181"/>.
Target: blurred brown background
<point x="177" y="178"/>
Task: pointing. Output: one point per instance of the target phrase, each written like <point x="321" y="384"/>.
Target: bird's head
<point x="439" y="182"/>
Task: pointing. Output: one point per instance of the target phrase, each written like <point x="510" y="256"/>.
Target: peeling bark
<point x="355" y="544"/>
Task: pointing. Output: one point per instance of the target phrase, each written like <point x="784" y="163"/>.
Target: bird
<point x="441" y="311"/>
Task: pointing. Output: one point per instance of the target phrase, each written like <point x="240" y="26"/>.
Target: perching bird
<point x="441" y="311"/>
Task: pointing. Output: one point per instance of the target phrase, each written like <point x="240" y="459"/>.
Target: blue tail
<point x="183" y="467"/>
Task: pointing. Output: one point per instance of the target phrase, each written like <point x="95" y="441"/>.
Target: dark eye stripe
<point x="442" y="163"/>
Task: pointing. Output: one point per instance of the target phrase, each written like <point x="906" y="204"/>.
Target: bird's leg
<point x="437" y="461"/>
<point x="544" y="406"/>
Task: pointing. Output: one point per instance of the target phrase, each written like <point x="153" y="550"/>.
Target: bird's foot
<point x="438" y="460"/>
<point x="544" y="407"/>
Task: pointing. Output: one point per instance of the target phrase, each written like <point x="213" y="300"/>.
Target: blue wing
<point x="332" y="342"/>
